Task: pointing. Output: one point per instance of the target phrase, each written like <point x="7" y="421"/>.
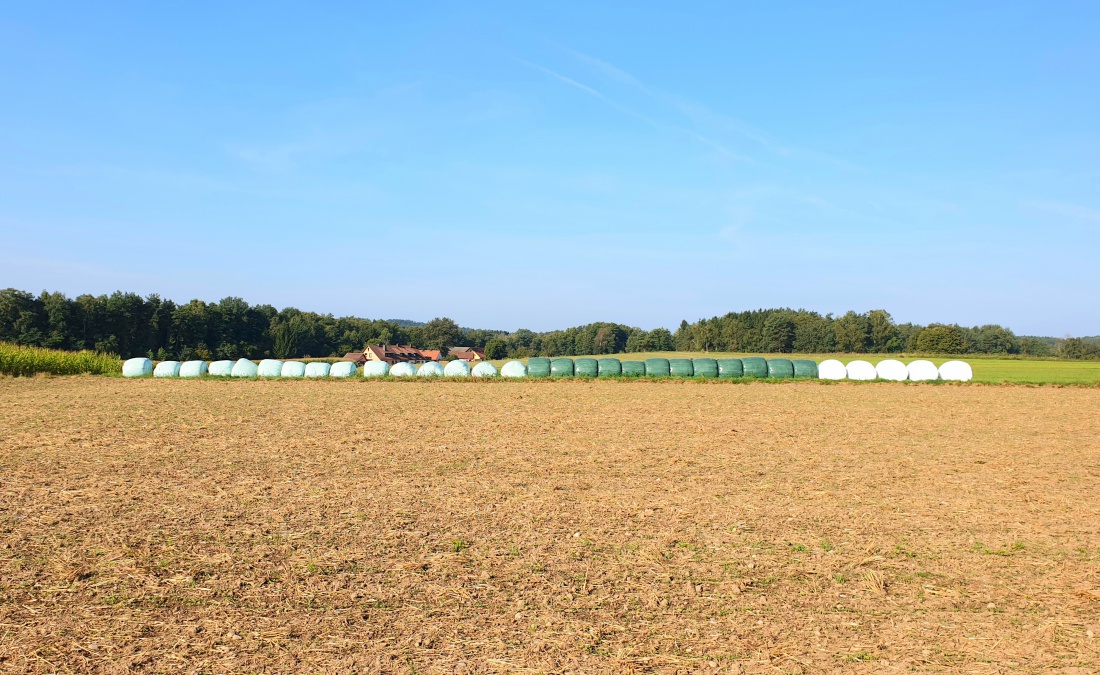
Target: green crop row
<point x="26" y="361"/>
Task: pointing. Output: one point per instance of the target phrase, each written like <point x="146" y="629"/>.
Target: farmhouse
<point x="392" y="354"/>
<point x="467" y="353"/>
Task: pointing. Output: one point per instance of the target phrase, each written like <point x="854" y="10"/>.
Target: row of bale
<point x="892" y="369"/>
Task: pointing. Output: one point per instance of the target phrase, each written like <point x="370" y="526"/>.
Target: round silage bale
<point x="269" y="368"/>
<point x="730" y="368"/>
<point x="430" y="369"/>
<point x="586" y="368"/>
<point x="804" y="368"/>
<point x="317" y="369"/>
<point x="194" y="369"/>
<point x="705" y="367"/>
<point x="293" y="369"/>
<point x="137" y="367"/>
<point x="923" y="371"/>
<point x="860" y="370"/>
<point x="457" y="368"/>
<point x="167" y="369"/>
<point x="831" y="369"/>
<point x="513" y="369"/>
<point x="955" y="371"/>
<point x="755" y="366"/>
<point x="376" y="369"/>
<point x="561" y="367"/>
<point x="681" y="368"/>
<point x="780" y="369"/>
<point x="485" y="369"/>
<point x="342" y="369"/>
<point x="538" y="366"/>
<point x="222" y="368"/>
<point x="633" y="369"/>
<point x="657" y="367"/>
<point x="403" y="369"/>
<point x="243" y="368"/>
<point x="891" y="369"/>
<point x="610" y="367"/>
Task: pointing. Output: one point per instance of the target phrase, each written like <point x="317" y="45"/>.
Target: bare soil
<point x="551" y="526"/>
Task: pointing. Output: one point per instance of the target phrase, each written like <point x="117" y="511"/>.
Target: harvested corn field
<point x="546" y="526"/>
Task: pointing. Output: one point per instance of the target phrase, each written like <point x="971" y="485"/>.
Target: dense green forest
<point x="129" y="324"/>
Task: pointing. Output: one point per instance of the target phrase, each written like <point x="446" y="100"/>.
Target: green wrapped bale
<point x="755" y="366"/>
<point x="681" y="368"/>
<point x="612" y="368"/>
<point x="805" y="368"/>
<point x="705" y="367"/>
<point x="633" y="369"/>
<point x="656" y="367"/>
<point x="730" y="368"/>
<point x="780" y="369"/>
<point x="561" y="368"/>
<point x="586" y="368"/>
<point x="538" y="366"/>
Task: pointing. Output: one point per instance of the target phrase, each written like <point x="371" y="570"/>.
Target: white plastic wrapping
<point x="430" y="369"/>
<point x="293" y="369"/>
<point x="514" y="369"/>
<point x="956" y="371"/>
<point x="317" y="369"/>
<point x="342" y="369"/>
<point x="138" y="367"/>
<point x="860" y="370"/>
<point x="891" y="369"/>
<point x="376" y="369"/>
<point x="167" y="369"/>
<point x="269" y="368"/>
<point x="221" y="369"/>
<point x="831" y="369"/>
<point x="921" y="371"/>
<point x="194" y="369"/>
<point x="244" y="368"/>
<point x="485" y="369"/>
<point x="457" y="368"/>
<point x="403" y="369"/>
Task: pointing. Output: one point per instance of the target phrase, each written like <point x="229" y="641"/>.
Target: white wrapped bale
<point x="485" y="369"/>
<point x="891" y="369"/>
<point x="376" y="369"/>
<point x="956" y="371"/>
<point x="430" y="369"/>
<point x="317" y="369"/>
<point x="922" y="371"/>
<point x="860" y="370"/>
<point x="403" y="369"/>
<point x="514" y="369"/>
<point x="244" y="368"/>
<point x="167" y="369"/>
<point x="221" y="368"/>
<point x="457" y="368"/>
<point x="831" y="369"/>
<point x="342" y="369"/>
<point x="293" y="369"/>
<point x="139" y="367"/>
<point x="194" y="369"/>
<point x="270" y="368"/>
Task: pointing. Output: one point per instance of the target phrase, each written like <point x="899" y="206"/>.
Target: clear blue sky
<point x="515" y="166"/>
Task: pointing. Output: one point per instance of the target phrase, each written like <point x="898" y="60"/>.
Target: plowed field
<point x="548" y="526"/>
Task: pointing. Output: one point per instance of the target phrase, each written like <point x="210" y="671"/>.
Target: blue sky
<point x="517" y="166"/>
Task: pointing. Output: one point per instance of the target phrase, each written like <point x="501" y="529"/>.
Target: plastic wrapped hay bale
<point x="780" y="369"/>
<point x="194" y="369"/>
<point x="681" y="368"/>
<point x="457" y="368"/>
<point x="317" y="369"/>
<point x="891" y="369"/>
<point x="403" y="369"/>
<point x="430" y="369"/>
<point x="922" y="371"/>
<point x="342" y="369"/>
<point x="954" y="371"/>
<point x="269" y="368"/>
<point x="656" y="367"/>
<point x="804" y="368"/>
<point x="293" y="369"/>
<point x="831" y="369"/>
<point x="376" y="369"/>
<point x="586" y="368"/>
<point x="139" y="367"/>
<point x="755" y="366"/>
<point x="243" y="368"/>
<point x="561" y="367"/>
<point x="513" y="369"/>
<point x="610" y="368"/>
<point x="538" y="366"/>
<point x="221" y="368"/>
<point x="486" y="369"/>
<point x="633" y="369"/>
<point x="167" y="369"/>
<point x="860" y="370"/>
<point x="730" y="368"/>
<point x="705" y="367"/>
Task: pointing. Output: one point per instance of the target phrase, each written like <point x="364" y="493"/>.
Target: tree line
<point x="129" y="324"/>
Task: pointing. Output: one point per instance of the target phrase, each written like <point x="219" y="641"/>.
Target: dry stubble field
<point x="549" y="526"/>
